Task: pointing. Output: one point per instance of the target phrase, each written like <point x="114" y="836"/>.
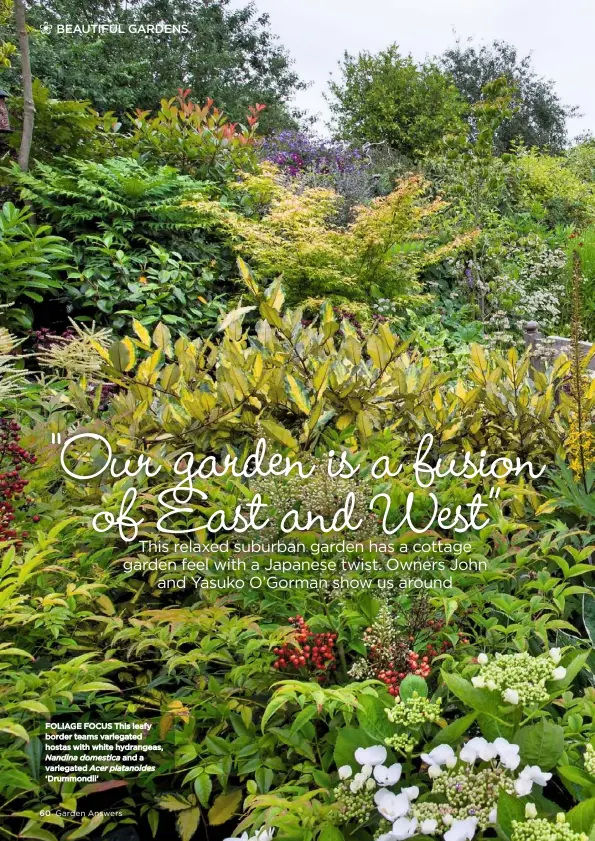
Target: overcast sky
<point x="559" y="33"/>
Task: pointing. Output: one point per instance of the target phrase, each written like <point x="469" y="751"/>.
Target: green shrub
<point x="140" y="245"/>
<point x="197" y="140"/>
<point x="31" y="259"/>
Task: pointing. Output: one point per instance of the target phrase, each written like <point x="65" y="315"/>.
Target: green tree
<point x="224" y="53"/>
<point x="538" y="117"/>
<point x="389" y="98"/>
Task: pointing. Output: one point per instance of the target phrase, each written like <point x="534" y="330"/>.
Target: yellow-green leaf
<point x="120" y="356"/>
<point x="224" y="807"/>
<point x="281" y="434"/>
<point x="298" y="393"/>
<point x="187" y="823"/>
<point x="141" y="332"/>
<point x="87" y="828"/>
<point x="9" y="726"/>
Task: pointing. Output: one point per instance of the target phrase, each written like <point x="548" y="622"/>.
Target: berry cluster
<point x="391" y="649"/>
<point x="44" y="338"/>
<point x="315" y="651"/>
<point x="12" y="483"/>
<point x="352" y="319"/>
<point x="416" y="664"/>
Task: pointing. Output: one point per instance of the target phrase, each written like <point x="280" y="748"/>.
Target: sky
<point x="558" y="33"/>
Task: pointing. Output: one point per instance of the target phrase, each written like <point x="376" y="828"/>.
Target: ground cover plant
<point x="179" y="286"/>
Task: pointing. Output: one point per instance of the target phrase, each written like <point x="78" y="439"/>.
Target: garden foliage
<point x="178" y="285"/>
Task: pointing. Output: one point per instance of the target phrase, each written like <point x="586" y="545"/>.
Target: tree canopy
<point x="539" y="117"/>
<point x="387" y="97"/>
<point x="227" y="54"/>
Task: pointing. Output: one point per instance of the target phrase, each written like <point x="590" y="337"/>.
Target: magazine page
<point x="297" y="420"/>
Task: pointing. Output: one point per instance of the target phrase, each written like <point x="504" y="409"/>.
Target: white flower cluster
<point x="520" y="678"/>
<point x="261" y="835"/>
<point x="469" y="796"/>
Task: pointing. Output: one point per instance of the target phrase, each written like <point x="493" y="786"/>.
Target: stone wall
<point x="551" y="345"/>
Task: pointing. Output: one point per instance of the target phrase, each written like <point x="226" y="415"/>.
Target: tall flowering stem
<point x="581" y="440"/>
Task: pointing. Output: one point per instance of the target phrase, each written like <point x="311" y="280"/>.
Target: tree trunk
<point x="28" y="104"/>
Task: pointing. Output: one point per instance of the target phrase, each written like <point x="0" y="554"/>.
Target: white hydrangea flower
<point x="534" y="772"/>
<point x="242" y="837"/>
<point x="438" y="756"/>
<point x="391" y="806"/>
<point x="447" y="819"/>
<point x="482" y="658"/>
<point x="411" y="792"/>
<point x="511" y="696"/>
<point x="493" y="816"/>
<point x="559" y="673"/>
<point x="478" y="682"/>
<point x="388" y="776"/>
<point x="461" y="830"/>
<point x="477" y="748"/>
<point x="531" y="810"/>
<point x="404" y="828"/>
<point x="345" y="772"/>
<point x="387" y="836"/>
<point x="508" y="753"/>
<point x="370" y="784"/>
<point x="263" y="835"/>
<point x="375" y="755"/>
<point x="556" y="655"/>
<point x="523" y="786"/>
<point x="529" y="775"/>
<point x="491" y="684"/>
<point x="429" y="826"/>
<point x="361" y="779"/>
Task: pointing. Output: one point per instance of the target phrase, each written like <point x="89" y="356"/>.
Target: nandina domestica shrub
<point x="13" y="458"/>
<point x="314" y="652"/>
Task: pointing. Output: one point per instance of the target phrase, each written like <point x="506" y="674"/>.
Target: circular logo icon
<point x="46" y="28"/>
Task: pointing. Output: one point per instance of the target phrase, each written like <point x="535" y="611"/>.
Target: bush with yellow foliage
<point x="381" y="253"/>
